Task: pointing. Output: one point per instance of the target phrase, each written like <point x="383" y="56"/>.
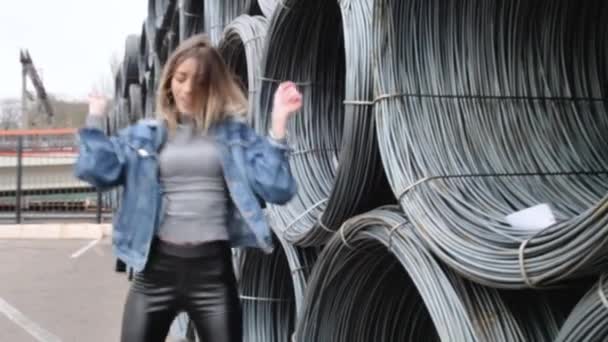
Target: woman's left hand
<point x="287" y="101"/>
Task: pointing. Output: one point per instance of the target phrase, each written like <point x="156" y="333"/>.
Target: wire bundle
<point x="130" y="64"/>
<point x="143" y="58"/>
<point x="335" y="159"/>
<point x="360" y="184"/>
<point x="192" y="18"/>
<point x="219" y="13"/>
<point x="267" y="296"/>
<point x="268" y="7"/>
<point x="588" y="321"/>
<point x="486" y="108"/>
<point x="242" y="47"/>
<point x="272" y="289"/>
<point x="377" y="281"/>
<point x="167" y="34"/>
<point x="301" y="47"/>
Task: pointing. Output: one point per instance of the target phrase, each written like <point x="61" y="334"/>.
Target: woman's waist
<point x="191" y="184"/>
<point x="204" y="249"/>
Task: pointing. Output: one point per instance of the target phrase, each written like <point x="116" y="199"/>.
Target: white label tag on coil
<point x="532" y="219"/>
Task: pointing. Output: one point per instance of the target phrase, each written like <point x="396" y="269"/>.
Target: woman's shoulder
<point x="143" y="125"/>
<point x="150" y="129"/>
<point x="235" y="127"/>
<point x="235" y="122"/>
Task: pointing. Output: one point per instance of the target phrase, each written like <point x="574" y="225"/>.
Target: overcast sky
<point x="71" y="41"/>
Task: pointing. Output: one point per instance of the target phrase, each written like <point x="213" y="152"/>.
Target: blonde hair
<point x="218" y="94"/>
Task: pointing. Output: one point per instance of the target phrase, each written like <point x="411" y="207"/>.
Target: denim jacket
<point x="254" y="168"/>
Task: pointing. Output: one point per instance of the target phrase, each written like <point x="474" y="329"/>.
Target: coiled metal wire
<point x="589" y="320"/>
<point x="219" y="13"/>
<point x="172" y="38"/>
<point x="272" y="289"/>
<point x="268" y="7"/>
<point x="377" y="281"/>
<point x="192" y="18"/>
<point x="325" y="48"/>
<point x="486" y="108"/>
<point x="242" y="47"/>
<point x="143" y="60"/>
<point x="136" y="104"/>
<point x="167" y="29"/>
<point x="304" y="45"/>
<point x="130" y="64"/>
<point x="360" y="184"/>
<point x="150" y="85"/>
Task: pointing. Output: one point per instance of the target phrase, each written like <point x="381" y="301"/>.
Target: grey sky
<point x="71" y="41"/>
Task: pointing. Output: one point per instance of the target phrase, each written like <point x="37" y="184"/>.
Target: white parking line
<point x="83" y="250"/>
<point x="28" y="325"/>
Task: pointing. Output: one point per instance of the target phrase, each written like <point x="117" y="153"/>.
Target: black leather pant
<point x="203" y="286"/>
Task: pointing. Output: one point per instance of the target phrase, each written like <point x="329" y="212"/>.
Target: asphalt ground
<point x="55" y="290"/>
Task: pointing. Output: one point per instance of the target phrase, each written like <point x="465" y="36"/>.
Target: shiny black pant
<point x="203" y="286"/>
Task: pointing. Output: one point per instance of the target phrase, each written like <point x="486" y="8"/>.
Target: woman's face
<point x="184" y="85"/>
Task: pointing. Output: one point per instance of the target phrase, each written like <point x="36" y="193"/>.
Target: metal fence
<point x="37" y="182"/>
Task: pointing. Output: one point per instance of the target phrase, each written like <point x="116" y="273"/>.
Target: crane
<point x="29" y="71"/>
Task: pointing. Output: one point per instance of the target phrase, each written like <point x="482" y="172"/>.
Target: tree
<point x="70" y="114"/>
<point x="10" y="114"/>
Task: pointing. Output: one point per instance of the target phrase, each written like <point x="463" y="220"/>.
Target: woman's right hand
<point x="97" y="105"/>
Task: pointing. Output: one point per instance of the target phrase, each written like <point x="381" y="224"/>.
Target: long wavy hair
<point x="217" y="92"/>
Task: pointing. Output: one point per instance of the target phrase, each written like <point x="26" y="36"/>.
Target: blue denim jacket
<point x="254" y="168"/>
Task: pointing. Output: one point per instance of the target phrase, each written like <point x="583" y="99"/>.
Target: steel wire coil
<point x="486" y="108"/>
<point x="159" y="12"/>
<point x="268" y="7"/>
<point x="266" y="296"/>
<point x="130" y="64"/>
<point x="335" y="158"/>
<point x="173" y="34"/>
<point x="360" y="184"/>
<point x="377" y="281"/>
<point x="269" y="296"/>
<point x="136" y="103"/>
<point x="300" y="259"/>
<point x="272" y="289"/>
<point x="143" y="60"/>
<point x="219" y="13"/>
<point x="242" y="47"/>
<point x="192" y="18"/>
<point x="151" y="38"/>
<point x="588" y="321"/>
<point x="166" y="30"/>
<point x="150" y="87"/>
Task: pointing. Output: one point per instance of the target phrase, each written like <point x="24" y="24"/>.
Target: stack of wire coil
<point x="377" y="281"/>
<point x="325" y="48"/>
<point x="588" y="321"/>
<point x="486" y="108"/>
<point x="219" y="13"/>
<point x="272" y="289"/>
<point x="242" y="47"/>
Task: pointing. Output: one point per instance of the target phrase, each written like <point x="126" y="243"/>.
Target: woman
<point x="192" y="185"/>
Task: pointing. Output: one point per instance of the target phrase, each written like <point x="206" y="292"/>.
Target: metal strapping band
<point x="189" y="14"/>
<point x="299" y="269"/>
<point x="600" y="291"/>
<point x="393" y="229"/>
<point x="348" y="245"/>
<point x="306" y="212"/>
<point x="498" y="175"/>
<point x="323" y="226"/>
<point x="265" y="299"/>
